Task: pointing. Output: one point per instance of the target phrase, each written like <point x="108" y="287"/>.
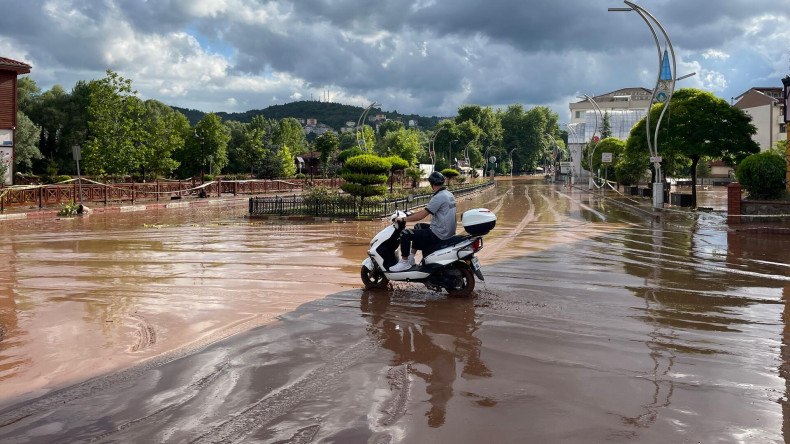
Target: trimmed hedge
<point x="762" y="175"/>
<point x="369" y="164"/>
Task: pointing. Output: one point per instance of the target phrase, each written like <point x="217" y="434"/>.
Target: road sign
<point x="606" y="157"/>
<point x="656" y="159"/>
<point x="492" y="159"/>
<point x="76" y="153"/>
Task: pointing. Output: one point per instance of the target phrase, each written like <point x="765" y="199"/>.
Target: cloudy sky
<point x="415" y="56"/>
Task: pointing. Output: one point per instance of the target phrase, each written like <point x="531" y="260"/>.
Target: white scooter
<point x="449" y="265"/>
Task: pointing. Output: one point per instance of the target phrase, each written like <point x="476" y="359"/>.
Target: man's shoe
<point x="402" y="265"/>
<point x="412" y="262"/>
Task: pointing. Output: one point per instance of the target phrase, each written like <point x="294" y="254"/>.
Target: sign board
<point x="656" y="159"/>
<point x="566" y="167"/>
<point x="492" y="159"/>
<point x="6" y="137"/>
<point x="300" y="159"/>
<point x="606" y="157"/>
<point x="76" y="152"/>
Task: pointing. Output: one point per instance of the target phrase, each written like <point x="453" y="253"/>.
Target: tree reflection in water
<point x="429" y="339"/>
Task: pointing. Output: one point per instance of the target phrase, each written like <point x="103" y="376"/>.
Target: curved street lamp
<point x="572" y="130"/>
<point x="362" y="129"/>
<point x="662" y="93"/>
<point x="592" y="139"/>
<point x="432" y="146"/>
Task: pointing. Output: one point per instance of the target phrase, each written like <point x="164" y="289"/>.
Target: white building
<point x="625" y="107"/>
<point x="764" y="105"/>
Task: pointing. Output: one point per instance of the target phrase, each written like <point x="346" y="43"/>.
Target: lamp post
<point x="662" y="93"/>
<point x="593" y="138"/>
<point x="572" y="130"/>
<point x="202" y="158"/>
<point x="432" y="146"/>
<point x="451" y="153"/>
<point x="362" y="128"/>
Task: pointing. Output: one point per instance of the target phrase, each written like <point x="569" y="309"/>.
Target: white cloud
<point x="715" y="54"/>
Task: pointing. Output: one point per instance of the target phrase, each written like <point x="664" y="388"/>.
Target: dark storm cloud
<point x="430" y="56"/>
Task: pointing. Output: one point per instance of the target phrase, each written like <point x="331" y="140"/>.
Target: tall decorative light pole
<point x="450" y="159"/>
<point x="662" y="93"/>
<point x="432" y="146"/>
<point x="361" y="129"/>
<point x="593" y="138"/>
<point x="574" y="151"/>
<point x="202" y="159"/>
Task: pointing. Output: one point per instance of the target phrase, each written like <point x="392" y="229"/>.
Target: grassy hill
<point x="335" y="115"/>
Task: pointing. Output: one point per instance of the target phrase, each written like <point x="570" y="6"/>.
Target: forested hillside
<point x="334" y="115"/>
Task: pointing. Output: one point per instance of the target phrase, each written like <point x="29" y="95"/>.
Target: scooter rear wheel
<point x="464" y="282"/>
<point x="373" y="279"/>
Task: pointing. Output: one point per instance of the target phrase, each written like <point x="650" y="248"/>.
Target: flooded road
<point x="594" y="324"/>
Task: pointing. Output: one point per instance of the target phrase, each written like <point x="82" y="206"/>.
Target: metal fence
<point x="345" y="206"/>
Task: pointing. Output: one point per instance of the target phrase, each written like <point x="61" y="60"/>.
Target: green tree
<point x="289" y="132"/>
<point x="388" y="127"/>
<point x="346" y="141"/>
<point x="606" y="126"/>
<point x="252" y="151"/>
<point x="27" y="94"/>
<point x="166" y="131"/>
<point x="214" y="137"/>
<point x="115" y="127"/>
<point x="397" y="164"/>
<point x="236" y="161"/>
<point x="609" y="145"/>
<point x="700" y="125"/>
<point x="365" y="176"/>
<point x="26" y="142"/>
<point x="368" y="142"/>
<point x="401" y="143"/>
<point x="327" y="145"/>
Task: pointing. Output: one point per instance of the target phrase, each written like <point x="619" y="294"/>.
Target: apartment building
<point x="765" y="106"/>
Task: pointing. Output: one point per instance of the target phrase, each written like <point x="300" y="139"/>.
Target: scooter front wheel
<point x="373" y="279"/>
<point x="463" y="282"/>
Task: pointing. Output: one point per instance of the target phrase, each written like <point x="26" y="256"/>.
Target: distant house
<point x="764" y="105"/>
<point x="718" y="169"/>
<point x="311" y="121"/>
<point x="412" y="123"/>
<point x="9" y="70"/>
<point x="381" y="117"/>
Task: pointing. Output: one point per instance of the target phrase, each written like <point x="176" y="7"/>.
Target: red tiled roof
<point x="13" y="65"/>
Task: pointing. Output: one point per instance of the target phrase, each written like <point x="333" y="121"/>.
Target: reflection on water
<point x="430" y="338"/>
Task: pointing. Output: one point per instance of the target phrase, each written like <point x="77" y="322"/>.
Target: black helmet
<point x="436" y="178"/>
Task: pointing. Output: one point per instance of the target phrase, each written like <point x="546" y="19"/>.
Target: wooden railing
<point x="92" y="192"/>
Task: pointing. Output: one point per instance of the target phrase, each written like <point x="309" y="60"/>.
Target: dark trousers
<point x="418" y="237"/>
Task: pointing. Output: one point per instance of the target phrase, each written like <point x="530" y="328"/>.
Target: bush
<point x="762" y="175"/>
<point x="397" y="163"/>
<point x="365" y="179"/>
<point x="349" y="153"/>
<point x="368" y="164"/>
<point x="449" y="173"/>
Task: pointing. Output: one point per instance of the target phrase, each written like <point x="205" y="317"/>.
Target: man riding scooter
<point x="441" y="207"/>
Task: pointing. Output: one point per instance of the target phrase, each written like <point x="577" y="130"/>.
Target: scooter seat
<point x="444" y="244"/>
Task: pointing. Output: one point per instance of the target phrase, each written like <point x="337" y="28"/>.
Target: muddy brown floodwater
<point x="594" y="324"/>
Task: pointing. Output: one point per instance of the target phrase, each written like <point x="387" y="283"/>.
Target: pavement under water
<point x="594" y="324"/>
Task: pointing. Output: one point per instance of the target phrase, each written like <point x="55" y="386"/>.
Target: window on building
<point x="579" y="114"/>
<point x="782" y="127"/>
